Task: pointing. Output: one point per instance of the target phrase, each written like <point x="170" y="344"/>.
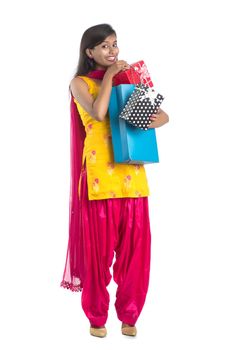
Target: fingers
<point x="156" y="115"/>
<point x="123" y="65"/>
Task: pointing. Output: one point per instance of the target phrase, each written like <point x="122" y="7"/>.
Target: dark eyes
<point x="106" y="46"/>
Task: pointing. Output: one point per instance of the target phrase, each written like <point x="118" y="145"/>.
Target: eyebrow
<point x="106" y="41"/>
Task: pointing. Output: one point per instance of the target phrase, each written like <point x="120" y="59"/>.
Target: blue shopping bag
<point x="130" y="144"/>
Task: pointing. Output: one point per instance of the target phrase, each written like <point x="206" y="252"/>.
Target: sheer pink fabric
<point x="77" y="135"/>
<point x="71" y="275"/>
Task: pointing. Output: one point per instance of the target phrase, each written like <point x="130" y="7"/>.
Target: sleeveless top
<point x="105" y="178"/>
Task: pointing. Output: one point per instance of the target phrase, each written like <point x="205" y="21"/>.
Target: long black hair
<point x="92" y="37"/>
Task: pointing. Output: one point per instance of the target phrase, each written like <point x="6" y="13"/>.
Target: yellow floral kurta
<point x="105" y="178"/>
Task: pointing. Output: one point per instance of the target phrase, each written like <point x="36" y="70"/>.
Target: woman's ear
<point x="89" y="53"/>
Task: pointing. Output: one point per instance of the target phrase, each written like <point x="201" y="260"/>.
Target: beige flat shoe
<point x="100" y="332"/>
<point x="128" y="330"/>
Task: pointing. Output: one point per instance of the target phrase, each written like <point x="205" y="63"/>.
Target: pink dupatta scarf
<point x="71" y="276"/>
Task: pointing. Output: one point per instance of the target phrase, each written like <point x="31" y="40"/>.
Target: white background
<point x="188" y="48"/>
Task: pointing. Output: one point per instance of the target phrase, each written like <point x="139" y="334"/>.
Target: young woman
<point x="109" y="201"/>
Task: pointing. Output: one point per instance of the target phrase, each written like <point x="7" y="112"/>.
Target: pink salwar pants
<point x="117" y="226"/>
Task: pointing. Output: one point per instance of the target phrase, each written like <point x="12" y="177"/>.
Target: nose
<point x="111" y="49"/>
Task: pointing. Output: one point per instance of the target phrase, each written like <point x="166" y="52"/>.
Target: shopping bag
<point x="130" y="144"/>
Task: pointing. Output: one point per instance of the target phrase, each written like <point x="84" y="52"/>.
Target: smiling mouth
<point x="111" y="58"/>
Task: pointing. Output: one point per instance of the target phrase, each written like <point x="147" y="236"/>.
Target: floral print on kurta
<point x="127" y="181"/>
<point x="110" y="168"/>
<point x="96" y="185"/>
<point x="92" y="156"/>
<point x="105" y="178"/>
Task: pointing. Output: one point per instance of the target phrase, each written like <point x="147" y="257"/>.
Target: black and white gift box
<point x="143" y="102"/>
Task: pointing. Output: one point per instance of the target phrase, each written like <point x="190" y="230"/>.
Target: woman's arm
<point x="98" y="107"/>
<point x="159" y="119"/>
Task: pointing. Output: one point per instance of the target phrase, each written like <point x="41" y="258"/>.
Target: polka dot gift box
<point x="143" y="102"/>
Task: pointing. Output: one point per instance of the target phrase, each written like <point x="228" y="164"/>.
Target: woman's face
<point x="106" y="53"/>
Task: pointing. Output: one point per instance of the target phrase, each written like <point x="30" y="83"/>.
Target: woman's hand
<point x="116" y="68"/>
<point x="158" y="119"/>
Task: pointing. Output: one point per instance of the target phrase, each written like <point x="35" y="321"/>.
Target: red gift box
<point x="138" y="73"/>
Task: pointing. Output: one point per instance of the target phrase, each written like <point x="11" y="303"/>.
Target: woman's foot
<point x="128" y="329"/>
<point x="98" y="331"/>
